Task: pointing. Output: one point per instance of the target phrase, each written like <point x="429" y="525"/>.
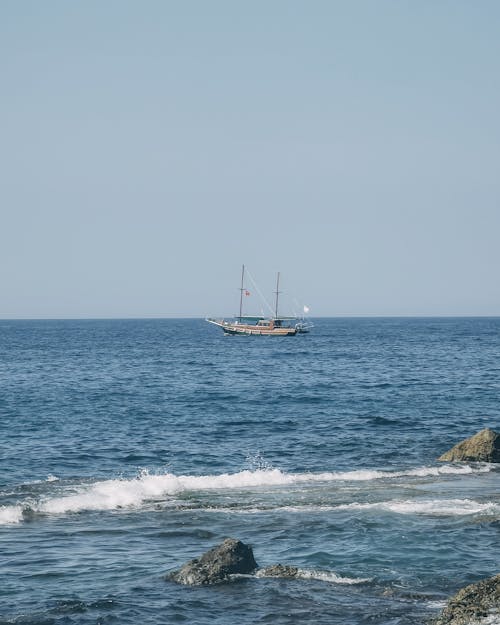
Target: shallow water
<point x="128" y="447"/>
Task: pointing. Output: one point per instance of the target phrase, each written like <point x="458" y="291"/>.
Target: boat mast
<point x="277" y="296"/>
<point x="241" y="289"/>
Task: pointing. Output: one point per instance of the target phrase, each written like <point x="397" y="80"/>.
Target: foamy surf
<point x="333" y="578"/>
<point x="433" y="507"/>
<point x="108" y="495"/>
<point x="323" y="576"/>
<point x="363" y="475"/>
<point x="10" y="515"/>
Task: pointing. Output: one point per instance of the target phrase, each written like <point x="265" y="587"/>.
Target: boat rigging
<point x="274" y="325"/>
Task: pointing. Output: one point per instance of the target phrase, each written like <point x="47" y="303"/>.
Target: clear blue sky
<point x="148" y="149"/>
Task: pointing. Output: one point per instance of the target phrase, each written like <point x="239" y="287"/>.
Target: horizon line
<point x="202" y="318"/>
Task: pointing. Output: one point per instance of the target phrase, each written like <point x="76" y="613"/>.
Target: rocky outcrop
<point x="473" y="604"/>
<point x="232" y="558"/>
<point x="278" y="570"/>
<point x="217" y="565"/>
<point x="482" y="447"/>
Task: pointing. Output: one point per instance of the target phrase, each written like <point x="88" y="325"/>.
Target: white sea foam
<point x="324" y="576"/>
<point x="122" y="493"/>
<point x="366" y="475"/>
<point x="10" y="515"/>
<point x="330" y="576"/>
<point x="437" y="604"/>
<point x="433" y="507"/>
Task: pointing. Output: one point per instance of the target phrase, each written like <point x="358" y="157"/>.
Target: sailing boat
<point x="274" y="325"/>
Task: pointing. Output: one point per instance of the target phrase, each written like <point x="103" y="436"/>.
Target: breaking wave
<point x="11" y="514"/>
<point x="132" y="493"/>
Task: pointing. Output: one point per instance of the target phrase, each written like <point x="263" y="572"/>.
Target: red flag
<point x="247" y="292"/>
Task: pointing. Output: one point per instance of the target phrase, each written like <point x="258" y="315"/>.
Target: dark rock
<point x="216" y="565"/>
<point x="278" y="570"/>
<point x="482" y="447"/>
<point x="472" y="604"/>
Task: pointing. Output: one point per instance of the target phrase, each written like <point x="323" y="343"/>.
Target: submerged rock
<point x="232" y="557"/>
<point x="216" y="565"/>
<point x="278" y="570"/>
<point x="473" y="604"/>
<point x="482" y="447"/>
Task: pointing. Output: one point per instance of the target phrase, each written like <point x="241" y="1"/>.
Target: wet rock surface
<point x="473" y="604"/>
<point x="482" y="447"/>
<point x="278" y="570"/>
<point x="217" y="565"/>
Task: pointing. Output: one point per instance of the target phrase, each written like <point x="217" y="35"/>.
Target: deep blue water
<point x="128" y="447"/>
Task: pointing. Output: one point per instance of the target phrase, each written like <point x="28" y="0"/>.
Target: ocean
<point x="128" y="447"/>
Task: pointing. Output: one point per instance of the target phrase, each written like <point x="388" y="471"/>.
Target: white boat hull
<point x="230" y="327"/>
